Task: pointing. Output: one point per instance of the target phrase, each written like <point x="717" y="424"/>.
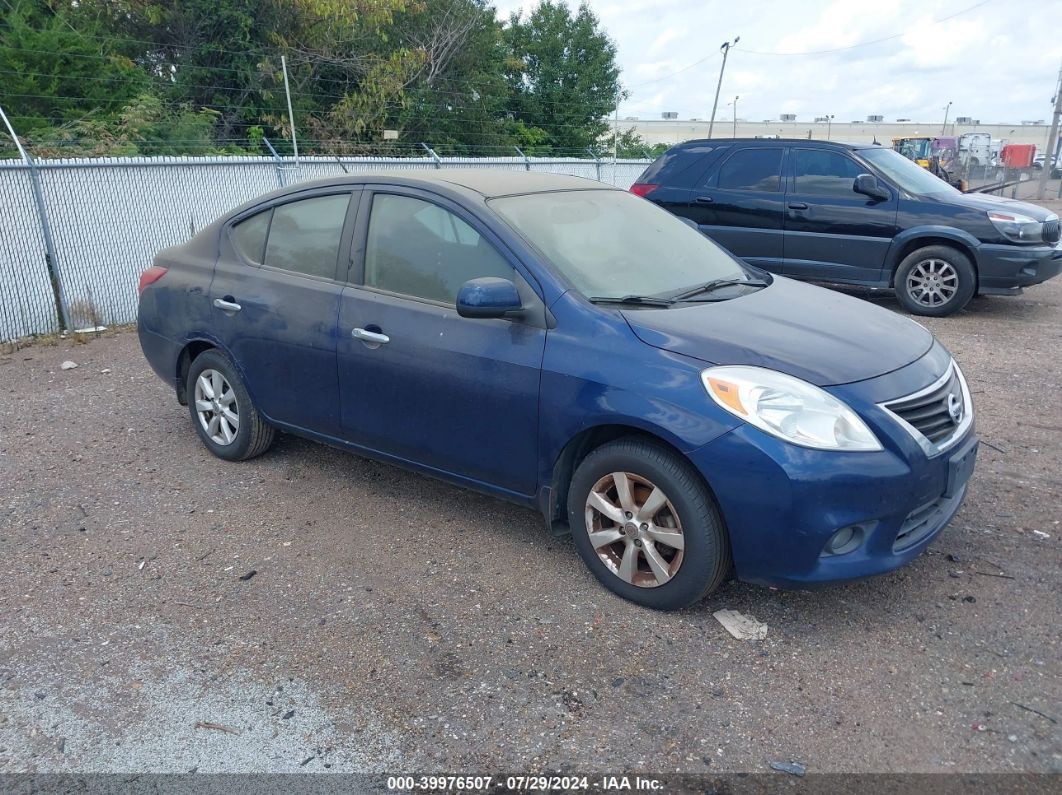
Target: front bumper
<point x="1005" y="270"/>
<point x="782" y="503"/>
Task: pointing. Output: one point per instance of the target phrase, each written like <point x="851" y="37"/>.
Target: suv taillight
<point x="150" y="276"/>
<point x="643" y="189"/>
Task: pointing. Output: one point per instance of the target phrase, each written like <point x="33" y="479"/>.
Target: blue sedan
<point x="573" y="348"/>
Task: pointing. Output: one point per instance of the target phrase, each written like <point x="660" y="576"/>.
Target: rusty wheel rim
<point x="634" y="529"/>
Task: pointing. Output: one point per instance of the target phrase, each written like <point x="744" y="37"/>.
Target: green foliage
<point x="56" y="65"/>
<point x="562" y="73"/>
<point x="204" y="76"/>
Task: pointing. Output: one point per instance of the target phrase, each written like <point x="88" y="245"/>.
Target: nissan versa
<point x="572" y="348"/>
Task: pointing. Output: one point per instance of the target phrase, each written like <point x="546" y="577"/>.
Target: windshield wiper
<point x="716" y="284"/>
<point x="633" y="300"/>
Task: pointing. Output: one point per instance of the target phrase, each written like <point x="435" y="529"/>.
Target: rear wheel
<point x="647" y="526"/>
<point x="935" y="281"/>
<point x="225" y="419"/>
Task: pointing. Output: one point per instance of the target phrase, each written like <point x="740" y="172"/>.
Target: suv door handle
<point x="227" y="304"/>
<point x="703" y="200"/>
<point x="798" y="206"/>
<point x="370" y="336"/>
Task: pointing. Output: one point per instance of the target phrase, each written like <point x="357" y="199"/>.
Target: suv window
<point x="417" y="248"/>
<point x="304" y="235"/>
<point x="825" y="173"/>
<point x="249" y="236"/>
<point x="752" y="169"/>
<point x="682" y="166"/>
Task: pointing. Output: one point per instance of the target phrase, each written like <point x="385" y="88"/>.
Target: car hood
<point x="983" y="201"/>
<point x="809" y="332"/>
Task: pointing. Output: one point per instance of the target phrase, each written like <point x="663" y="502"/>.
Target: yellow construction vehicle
<point x="914" y="148"/>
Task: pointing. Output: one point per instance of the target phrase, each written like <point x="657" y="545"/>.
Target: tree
<point x="562" y="74"/>
<point x="59" y="67"/>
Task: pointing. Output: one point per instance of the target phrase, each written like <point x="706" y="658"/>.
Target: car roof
<point x="482" y="182"/>
<point x="815" y="142"/>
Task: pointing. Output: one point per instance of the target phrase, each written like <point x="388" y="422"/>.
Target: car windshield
<point x="909" y="176"/>
<point x="612" y="244"/>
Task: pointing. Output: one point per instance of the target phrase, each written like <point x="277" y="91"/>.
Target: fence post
<point x="51" y="261"/>
<point x="435" y="157"/>
<point x="279" y="162"/>
<point x="527" y="160"/>
<point x="597" y="163"/>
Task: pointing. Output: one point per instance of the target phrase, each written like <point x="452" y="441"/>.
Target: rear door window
<point x="824" y="173"/>
<point x="304" y="235"/>
<point x="758" y="169"/>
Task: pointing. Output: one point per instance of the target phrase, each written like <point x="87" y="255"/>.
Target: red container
<point x="1018" y="155"/>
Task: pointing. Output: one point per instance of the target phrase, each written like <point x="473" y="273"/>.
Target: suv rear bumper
<point x="1005" y="270"/>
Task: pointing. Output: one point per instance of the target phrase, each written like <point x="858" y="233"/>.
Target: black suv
<point x="855" y="214"/>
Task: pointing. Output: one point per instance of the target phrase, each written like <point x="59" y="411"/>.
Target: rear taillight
<point x="149" y="277"/>
<point x="643" y="189"/>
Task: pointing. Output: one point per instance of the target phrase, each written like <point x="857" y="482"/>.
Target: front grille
<point x="936" y="413"/>
<point x="1051" y="230"/>
<point x="924" y="521"/>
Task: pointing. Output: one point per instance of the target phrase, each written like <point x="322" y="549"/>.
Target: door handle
<point x="703" y="200"/>
<point x="370" y="336"/>
<point x="227" y="305"/>
<point x="798" y="206"/>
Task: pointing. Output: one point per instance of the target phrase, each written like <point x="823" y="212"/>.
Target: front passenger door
<point x="418" y="381"/>
<point x="832" y="232"/>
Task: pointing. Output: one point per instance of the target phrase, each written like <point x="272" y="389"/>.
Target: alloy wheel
<point x="634" y="529"/>
<point x="932" y="282"/>
<point x="216" y="407"/>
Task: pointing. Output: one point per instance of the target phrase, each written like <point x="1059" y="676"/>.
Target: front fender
<point x="931" y="233"/>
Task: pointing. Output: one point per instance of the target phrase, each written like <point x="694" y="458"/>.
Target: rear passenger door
<point x="739" y="204"/>
<point x="832" y="232"/>
<point x="275" y="300"/>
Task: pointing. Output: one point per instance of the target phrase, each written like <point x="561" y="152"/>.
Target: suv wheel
<point x="935" y="281"/>
<point x="646" y="525"/>
<point x="225" y="419"/>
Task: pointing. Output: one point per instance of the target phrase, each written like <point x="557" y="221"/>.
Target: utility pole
<point x="829" y="124"/>
<point x="1052" y="140"/>
<point x="944" y="126"/>
<point x="291" y="115"/>
<point x="725" y="49"/>
<point x="735" y="116"/>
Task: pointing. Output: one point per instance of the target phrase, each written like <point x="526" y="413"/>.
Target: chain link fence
<point x="108" y="217"/>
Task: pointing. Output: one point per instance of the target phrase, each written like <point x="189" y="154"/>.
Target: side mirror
<point x="488" y="296"/>
<point x="867" y="184"/>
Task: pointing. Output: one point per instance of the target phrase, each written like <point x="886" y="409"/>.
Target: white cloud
<point x="996" y="62"/>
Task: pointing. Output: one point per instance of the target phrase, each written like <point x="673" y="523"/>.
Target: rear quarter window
<point x="249" y="236"/>
<point x="681" y="167"/>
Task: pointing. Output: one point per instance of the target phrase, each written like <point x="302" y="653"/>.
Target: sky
<point x="994" y="60"/>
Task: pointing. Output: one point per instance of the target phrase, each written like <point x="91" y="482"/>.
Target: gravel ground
<point x="398" y="624"/>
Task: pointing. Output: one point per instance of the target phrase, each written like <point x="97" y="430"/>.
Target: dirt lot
<point x="395" y="623"/>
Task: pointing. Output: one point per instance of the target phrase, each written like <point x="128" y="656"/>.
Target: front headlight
<point x="1017" y="227"/>
<point x="788" y="408"/>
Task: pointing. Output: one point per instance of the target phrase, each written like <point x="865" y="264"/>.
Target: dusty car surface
<point x="572" y="348"/>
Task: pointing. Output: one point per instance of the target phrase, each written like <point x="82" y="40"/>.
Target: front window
<point x="611" y="244"/>
<point x="906" y="175"/>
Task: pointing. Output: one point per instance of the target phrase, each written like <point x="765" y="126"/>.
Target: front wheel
<point x="646" y="525"/>
<point x="225" y="418"/>
<point x="935" y="281"/>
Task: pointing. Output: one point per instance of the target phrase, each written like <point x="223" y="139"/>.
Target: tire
<point x="950" y="277"/>
<point x="216" y="391"/>
<point x="687" y="515"/>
